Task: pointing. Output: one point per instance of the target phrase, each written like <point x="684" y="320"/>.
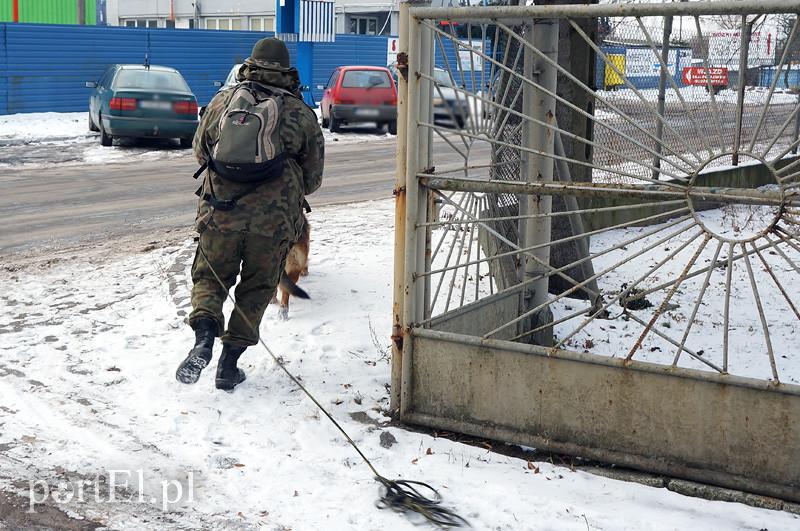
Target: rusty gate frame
<point x="731" y="431"/>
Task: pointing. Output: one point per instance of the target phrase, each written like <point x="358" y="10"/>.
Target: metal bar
<point x="469" y="256"/>
<point x="614" y="248"/>
<point x="456" y="267"/>
<point x="554" y="127"/>
<point x="426" y="154"/>
<point x="788" y="240"/>
<point x="696" y="308"/>
<point x="528" y="250"/>
<point x="412" y="203"/>
<point x="435" y="296"/>
<point x="542" y="36"/>
<point x="399" y="221"/>
<point x="789" y="166"/>
<point x="449" y="73"/>
<point x="515" y="13"/>
<point x="594" y="94"/>
<point x="777" y="282"/>
<point x="454" y="40"/>
<point x="445" y="223"/>
<point x="645" y="293"/>
<point x="709" y="87"/>
<point x="624" y="78"/>
<point x="462" y="169"/>
<point x="795" y="114"/>
<point x="744" y="45"/>
<point x="760" y="308"/>
<point x="557" y="213"/>
<point x="430" y="214"/>
<point x="785" y="257"/>
<point x="575" y="219"/>
<point x="511" y="73"/>
<point x="580" y="285"/>
<point x="666" y="74"/>
<point x="633" y="285"/>
<point x="525" y="150"/>
<point x="443" y="137"/>
<point x="475" y="125"/>
<point x="774" y="83"/>
<point x="662" y="86"/>
<point x="727" y="311"/>
<point x="516" y="251"/>
<point x="796" y="133"/>
<point x="668" y="339"/>
<point x="661" y="307"/>
<point x="719" y="195"/>
<point x="583" y="112"/>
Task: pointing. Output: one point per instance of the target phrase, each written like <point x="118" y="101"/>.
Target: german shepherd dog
<point x="296" y="265"/>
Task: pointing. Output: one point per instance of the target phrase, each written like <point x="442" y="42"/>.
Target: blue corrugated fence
<point x="44" y="67"/>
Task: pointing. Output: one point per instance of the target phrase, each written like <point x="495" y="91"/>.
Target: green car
<point x="142" y="101"/>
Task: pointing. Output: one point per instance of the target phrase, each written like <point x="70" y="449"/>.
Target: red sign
<point x="696" y="75"/>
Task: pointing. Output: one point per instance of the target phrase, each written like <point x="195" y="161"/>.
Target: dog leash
<point x="401" y="495"/>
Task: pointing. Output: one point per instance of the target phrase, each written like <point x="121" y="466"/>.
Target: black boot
<point x="228" y="374"/>
<point x="205" y="330"/>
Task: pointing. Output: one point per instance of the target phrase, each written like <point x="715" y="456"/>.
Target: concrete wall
<point x="733" y="432"/>
<point x="750" y="176"/>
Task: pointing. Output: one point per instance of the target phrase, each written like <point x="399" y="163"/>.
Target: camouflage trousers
<point x="259" y="259"/>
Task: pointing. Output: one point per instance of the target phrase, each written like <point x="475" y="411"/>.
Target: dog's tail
<point x="293" y="289"/>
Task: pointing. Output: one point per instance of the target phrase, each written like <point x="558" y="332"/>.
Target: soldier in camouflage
<point x="254" y="237"/>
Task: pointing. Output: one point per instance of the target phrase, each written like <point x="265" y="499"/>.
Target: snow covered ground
<point x="46" y="139"/>
<point x="88" y="351"/>
<point x="627" y="255"/>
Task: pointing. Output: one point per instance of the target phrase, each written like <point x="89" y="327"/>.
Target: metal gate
<point x="624" y="289"/>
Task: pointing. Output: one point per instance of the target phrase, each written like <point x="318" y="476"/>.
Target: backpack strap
<point x="226" y="205"/>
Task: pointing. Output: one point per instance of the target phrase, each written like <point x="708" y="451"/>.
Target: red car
<point x="359" y="94"/>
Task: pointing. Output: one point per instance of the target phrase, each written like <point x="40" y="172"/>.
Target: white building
<point x="365" y="17"/>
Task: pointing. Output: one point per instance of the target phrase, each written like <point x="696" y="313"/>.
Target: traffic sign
<point x="696" y="75"/>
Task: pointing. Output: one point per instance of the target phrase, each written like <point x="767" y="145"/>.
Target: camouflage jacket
<point x="274" y="208"/>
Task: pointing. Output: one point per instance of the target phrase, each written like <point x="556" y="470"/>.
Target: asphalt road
<point x="59" y="206"/>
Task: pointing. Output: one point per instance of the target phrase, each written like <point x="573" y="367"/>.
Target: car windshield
<point x="152" y="80"/>
<point x="366" y="79"/>
<point x="442" y="78"/>
<point x="232" y="75"/>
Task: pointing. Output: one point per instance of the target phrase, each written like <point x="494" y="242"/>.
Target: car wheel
<point x="460" y="122"/>
<point x="325" y="121"/>
<point x="393" y="127"/>
<point x="334" y="125"/>
<point x="92" y="127"/>
<point x="105" y="139"/>
<point x="186" y="143"/>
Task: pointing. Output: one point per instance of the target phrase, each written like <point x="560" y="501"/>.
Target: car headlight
<point x="437" y="102"/>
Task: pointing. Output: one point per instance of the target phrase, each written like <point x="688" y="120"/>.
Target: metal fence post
<point x="796" y="129"/>
<point x="410" y="258"/>
<point x="425" y="160"/>
<point x="399" y="213"/>
<point x="536" y="103"/>
<point x="744" y="45"/>
<point x="662" y="94"/>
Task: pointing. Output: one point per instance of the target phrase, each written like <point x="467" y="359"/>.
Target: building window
<point x="364" y="25"/>
<point x="141" y="23"/>
<point x="262" y="24"/>
<point x="170" y="23"/>
<point x="191" y="23"/>
<point x="223" y="23"/>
